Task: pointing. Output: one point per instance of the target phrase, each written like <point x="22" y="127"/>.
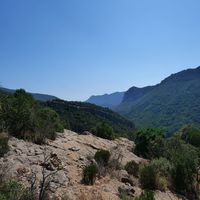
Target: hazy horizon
<point x="75" y="49"/>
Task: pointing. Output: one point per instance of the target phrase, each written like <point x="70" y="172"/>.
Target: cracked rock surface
<point x="69" y="154"/>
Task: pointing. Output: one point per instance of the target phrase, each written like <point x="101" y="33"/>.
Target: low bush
<point x="190" y="134"/>
<point x="162" y="166"/>
<point x="103" y="130"/>
<point x="162" y="183"/>
<point x="13" y="190"/>
<point x="149" y="143"/>
<point x="102" y="157"/>
<point x="146" y="195"/>
<point x="22" y="117"/>
<point x="3" y="144"/>
<point x="89" y="174"/>
<point x="163" y="169"/>
<point x="132" y="168"/>
<point x="148" y="178"/>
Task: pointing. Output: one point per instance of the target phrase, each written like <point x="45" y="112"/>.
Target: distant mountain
<point x="169" y="105"/>
<point x="107" y="100"/>
<point x="79" y="117"/>
<point x="39" y="97"/>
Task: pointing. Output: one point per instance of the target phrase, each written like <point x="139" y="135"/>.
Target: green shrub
<point x="162" y="183"/>
<point x="146" y="195"/>
<point x="149" y="143"/>
<point x="126" y="197"/>
<point x="163" y="169"/>
<point x="162" y="166"/>
<point x="13" y="190"/>
<point x="18" y="114"/>
<point x="103" y="130"/>
<point x="185" y="160"/>
<point x="37" y="138"/>
<point x="148" y="178"/>
<point x="102" y="157"/>
<point x="48" y="123"/>
<point x="132" y="168"/>
<point x="2" y="197"/>
<point x="190" y="134"/>
<point x="89" y="174"/>
<point x="3" y="144"/>
<point x="22" y="117"/>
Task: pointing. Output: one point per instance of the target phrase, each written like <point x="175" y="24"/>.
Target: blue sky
<point x="77" y="48"/>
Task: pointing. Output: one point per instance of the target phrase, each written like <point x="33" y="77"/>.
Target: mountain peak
<point x="185" y="75"/>
<point x="107" y="100"/>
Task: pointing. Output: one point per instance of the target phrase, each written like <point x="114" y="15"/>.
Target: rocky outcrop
<point x="68" y="155"/>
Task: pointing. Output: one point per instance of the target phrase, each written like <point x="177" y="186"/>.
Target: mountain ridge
<point x="37" y="96"/>
<point x="107" y="100"/>
<point x="169" y="105"/>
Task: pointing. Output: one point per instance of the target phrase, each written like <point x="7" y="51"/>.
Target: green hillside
<point x="169" y="105"/>
<point x="81" y="117"/>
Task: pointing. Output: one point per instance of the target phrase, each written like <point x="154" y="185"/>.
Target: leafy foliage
<point x="3" y="144"/>
<point x="102" y="157"/>
<point x="103" y="130"/>
<point x="163" y="169"/>
<point x="191" y="134"/>
<point x="162" y="166"/>
<point x="149" y="142"/>
<point x="22" y="117"/>
<point x="176" y="169"/>
<point x="89" y="174"/>
<point x="146" y="195"/>
<point x="12" y="190"/>
<point x="48" y="123"/>
<point x="80" y="117"/>
<point x="148" y="178"/>
<point x="132" y="168"/>
<point x="168" y="105"/>
<point x="185" y="161"/>
<point x="18" y="114"/>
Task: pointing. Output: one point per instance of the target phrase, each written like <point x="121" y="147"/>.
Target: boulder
<point x="126" y="189"/>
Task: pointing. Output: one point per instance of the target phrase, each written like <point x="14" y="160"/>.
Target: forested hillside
<point x="169" y="105"/>
<point x="81" y="117"/>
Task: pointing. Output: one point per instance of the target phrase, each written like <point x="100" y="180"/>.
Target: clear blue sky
<point x="77" y="48"/>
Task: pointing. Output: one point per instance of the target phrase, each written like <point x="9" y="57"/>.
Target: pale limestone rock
<point x="70" y="153"/>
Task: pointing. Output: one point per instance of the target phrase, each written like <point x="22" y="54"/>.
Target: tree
<point x="102" y="157"/>
<point x="89" y="174"/>
<point x="17" y="111"/>
<point x="149" y="143"/>
<point x="190" y="134"/>
<point x="185" y="160"/>
<point x="22" y="117"/>
<point x="48" y="124"/>
<point x="103" y="130"/>
<point x="148" y="178"/>
<point x="132" y="168"/>
<point x="3" y="144"/>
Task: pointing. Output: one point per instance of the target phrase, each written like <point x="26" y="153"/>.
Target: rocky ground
<point x="68" y="155"/>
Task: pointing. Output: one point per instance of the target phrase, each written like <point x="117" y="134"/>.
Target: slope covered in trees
<point x="169" y="105"/>
<point x="81" y="117"/>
